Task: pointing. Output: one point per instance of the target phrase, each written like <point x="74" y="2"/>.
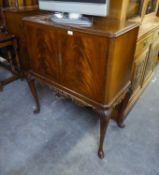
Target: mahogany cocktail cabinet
<point x="90" y="65"/>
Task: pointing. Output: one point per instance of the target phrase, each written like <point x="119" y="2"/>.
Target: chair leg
<point x="17" y="62"/>
<point x="1" y="87"/>
<point x="31" y="83"/>
<point x="7" y="81"/>
<point x="10" y="60"/>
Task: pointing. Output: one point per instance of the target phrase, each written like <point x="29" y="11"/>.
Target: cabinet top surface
<point x="148" y="25"/>
<point x="101" y="26"/>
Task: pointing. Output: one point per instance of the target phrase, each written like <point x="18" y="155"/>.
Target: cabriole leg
<point x="104" y="121"/>
<point x="1" y="87"/>
<point x="121" y="108"/>
<point x="31" y="83"/>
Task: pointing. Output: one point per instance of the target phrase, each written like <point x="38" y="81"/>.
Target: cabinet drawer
<point x="156" y="35"/>
<point x="143" y="44"/>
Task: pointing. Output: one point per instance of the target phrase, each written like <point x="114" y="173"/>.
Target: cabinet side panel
<point x="120" y="64"/>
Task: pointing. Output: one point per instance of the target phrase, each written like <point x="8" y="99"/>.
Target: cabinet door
<point x="139" y="69"/>
<point x="83" y="59"/>
<point x="43" y="50"/>
<point x="151" y="6"/>
<point x="154" y="54"/>
<point x="152" y="60"/>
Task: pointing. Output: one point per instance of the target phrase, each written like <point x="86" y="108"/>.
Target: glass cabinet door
<point x="151" y="6"/>
<point x="134" y="8"/>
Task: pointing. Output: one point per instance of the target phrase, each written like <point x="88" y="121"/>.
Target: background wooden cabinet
<point x="147" y="46"/>
<point x="145" y="62"/>
<point x="138" y="70"/>
<point x="151" y="6"/>
<point x="134" y="8"/>
<point x="14" y="25"/>
<point x="154" y="54"/>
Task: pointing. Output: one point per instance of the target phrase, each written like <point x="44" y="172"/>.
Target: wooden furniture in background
<point x="14" y="25"/>
<point x="1" y="21"/>
<point x="8" y="50"/>
<point x="89" y="65"/>
<point x="147" y="46"/>
<point x="13" y="13"/>
<point x="147" y="49"/>
<point x="118" y="10"/>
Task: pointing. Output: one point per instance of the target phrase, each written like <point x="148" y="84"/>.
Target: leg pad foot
<point x="101" y="154"/>
<point x="36" y="111"/>
<point x="121" y="125"/>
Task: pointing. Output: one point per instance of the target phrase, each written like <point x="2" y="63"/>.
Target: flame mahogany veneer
<point x="92" y="66"/>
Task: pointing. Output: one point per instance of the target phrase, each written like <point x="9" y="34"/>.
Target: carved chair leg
<point x="1" y="87"/>
<point x="17" y="62"/>
<point x="11" y="61"/>
<point x="104" y="121"/>
<point x="121" y="108"/>
<point x="31" y="83"/>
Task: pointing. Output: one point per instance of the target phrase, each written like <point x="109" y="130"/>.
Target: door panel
<point x="84" y="60"/>
<point x="43" y="51"/>
<point x="138" y="70"/>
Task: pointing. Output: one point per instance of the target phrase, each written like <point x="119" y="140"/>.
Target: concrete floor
<point x="63" y="138"/>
